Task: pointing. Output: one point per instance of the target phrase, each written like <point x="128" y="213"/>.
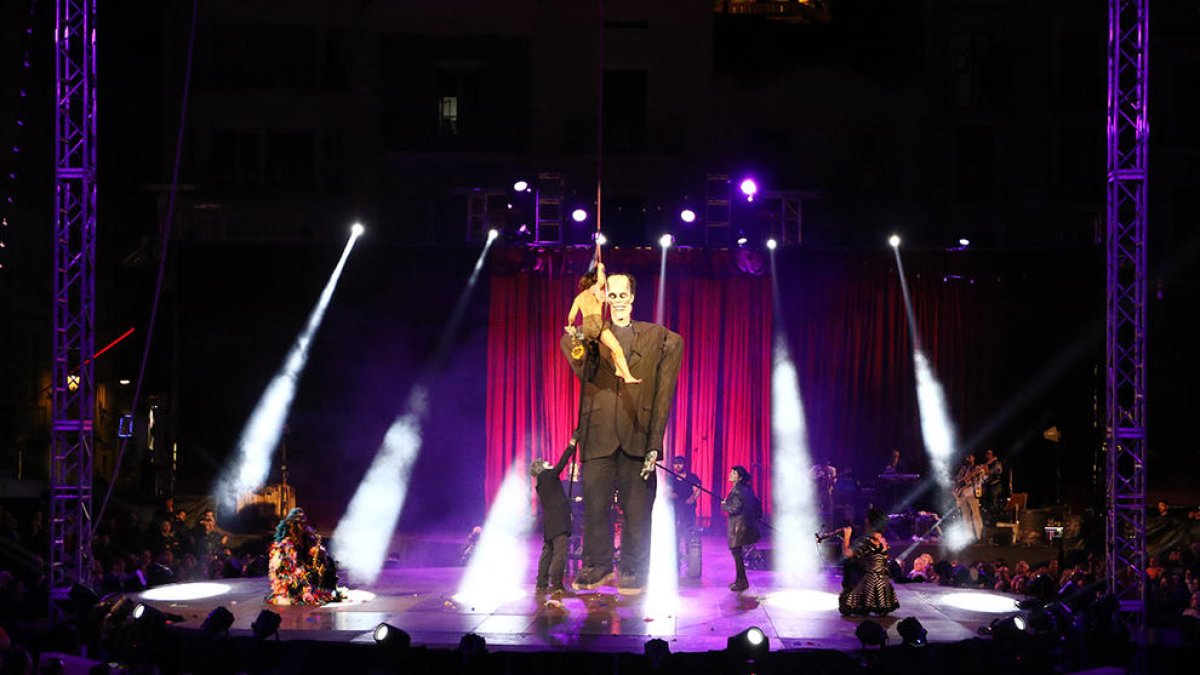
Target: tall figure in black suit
<point x="621" y="431"/>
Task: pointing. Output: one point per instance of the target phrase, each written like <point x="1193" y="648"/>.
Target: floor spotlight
<point x="266" y="625"/>
<point x="656" y="651"/>
<point x="870" y="634"/>
<point x="771" y="244"/>
<point x="666" y="240"/>
<point x="220" y="620"/>
<point x="1010" y="628"/>
<point x="357" y="229"/>
<point x="912" y="633"/>
<point x="471" y="649"/>
<point x="82" y="598"/>
<point x="749" y="645"/>
<point x="120" y="611"/>
<point x="894" y="241"/>
<point x="391" y="637"/>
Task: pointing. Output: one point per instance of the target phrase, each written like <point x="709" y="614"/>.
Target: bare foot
<point x="629" y="379"/>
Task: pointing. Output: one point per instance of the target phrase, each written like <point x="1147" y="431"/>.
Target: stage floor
<point x="420" y="601"/>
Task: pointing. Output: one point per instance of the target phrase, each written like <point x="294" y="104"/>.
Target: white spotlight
<point x="364" y="533"/>
<point x="497" y="571"/>
<point x="520" y="186"/>
<point x="687" y="216"/>
<point x="579" y="215"/>
<point x="666" y="240"/>
<point x="357" y="230"/>
<point x="964" y="242"/>
<point x="793" y="493"/>
<point x="741" y="241"/>
<point x="894" y="241"/>
<point x="257" y="442"/>
<point x="492" y="234"/>
<point x="601" y="239"/>
<point x="771" y="244"/>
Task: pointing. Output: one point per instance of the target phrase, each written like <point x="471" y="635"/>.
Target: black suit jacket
<point x="556" y="512"/>
<point x="632" y="417"/>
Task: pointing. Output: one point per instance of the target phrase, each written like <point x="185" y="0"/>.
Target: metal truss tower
<point x="73" y="387"/>
<point x="1128" y="134"/>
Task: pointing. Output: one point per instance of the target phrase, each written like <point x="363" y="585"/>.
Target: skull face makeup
<point x="620" y="299"/>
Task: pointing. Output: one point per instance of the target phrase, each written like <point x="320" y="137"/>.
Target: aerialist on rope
<point x="590" y="302"/>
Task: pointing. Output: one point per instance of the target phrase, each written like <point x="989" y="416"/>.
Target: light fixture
<point x="391" y="637"/>
<point x="123" y="383"/>
<point x="266" y="625"/>
<point x="912" y="633"/>
<point x="894" y="241"/>
<point x="741" y="241"/>
<point x="749" y="645"/>
<point x="656" y="651"/>
<point x="520" y="186"/>
<point x="357" y="229"/>
<point x="218" y="621"/>
<point x="666" y="240"/>
<point x="771" y="244"/>
<point x="964" y="242"/>
<point x="492" y="234"/>
<point x="749" y="188"/>
<point x="601" y="239"/>
<point x="871" y="634"/>
<point x="687" y="216"/>
<point x="579" y="215"/>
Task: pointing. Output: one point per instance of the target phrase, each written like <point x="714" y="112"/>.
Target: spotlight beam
<point x="364" y="532"/>
<point x="256" y="444"/>
<point x="497" y="571"/>
<point x="937" y="429"/>
<point x="793" y="496"/>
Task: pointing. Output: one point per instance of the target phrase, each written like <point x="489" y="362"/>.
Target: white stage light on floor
<point x="357" y="229"/>
<point x="498" y="571"/>
<point x="796" y="511"/>
<point x="894" y="241"/>
<point x="979" y="601"/>
<point x="180" y="592"/>
<point x="801" y="600"/>
<point x="362" y="537"/>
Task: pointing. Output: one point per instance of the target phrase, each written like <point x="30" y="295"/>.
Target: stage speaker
<point x="695" y="555"/>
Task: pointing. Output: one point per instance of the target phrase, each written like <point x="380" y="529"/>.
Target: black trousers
<point x="553" y="562"/>
<point x="635" y="496"/>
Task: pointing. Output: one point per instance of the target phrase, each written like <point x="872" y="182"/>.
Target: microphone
<point x="649" y="464"/>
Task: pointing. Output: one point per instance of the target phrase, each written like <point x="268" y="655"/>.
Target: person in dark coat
<point x="621" y="438"/>
<point x="867" y="564"/>
<point x="556" y="520"/>
<point x="744" y="511"/>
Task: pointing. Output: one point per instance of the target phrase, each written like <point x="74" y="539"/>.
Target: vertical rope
<point x="599" y="121"/>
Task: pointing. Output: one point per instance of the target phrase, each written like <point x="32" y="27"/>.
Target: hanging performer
<point x="590" y="303"/>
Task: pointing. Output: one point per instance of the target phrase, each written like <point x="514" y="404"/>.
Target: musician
<point x="968" y="487"/>
<point x="992" y="500"/>
<point x="826" y="476"/>
<point x="895" y="465"/>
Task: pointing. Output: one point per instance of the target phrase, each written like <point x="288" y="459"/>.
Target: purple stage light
<point x="749" y="188"/>
<point x="579" y="215"/>
<point x="687" y="216"/>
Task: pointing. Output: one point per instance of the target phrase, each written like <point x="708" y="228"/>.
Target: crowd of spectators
<point x="135" y="548"/>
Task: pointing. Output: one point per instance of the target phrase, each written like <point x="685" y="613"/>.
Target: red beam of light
<point x="107" y="347"/>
